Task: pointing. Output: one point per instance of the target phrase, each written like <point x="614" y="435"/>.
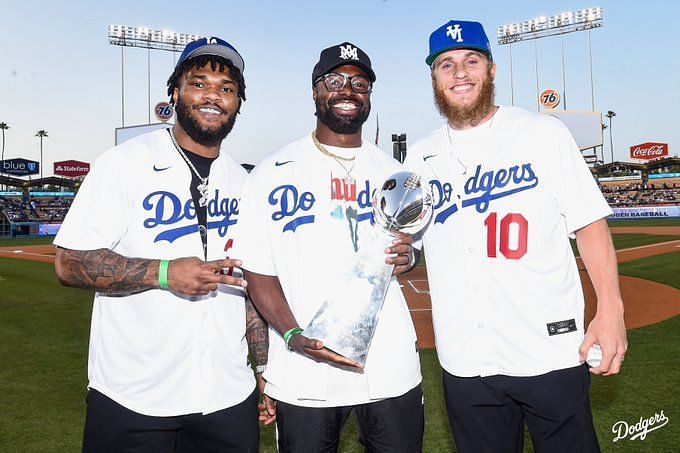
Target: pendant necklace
<point x="203" y="186"/>
<point x="349" y="179"/>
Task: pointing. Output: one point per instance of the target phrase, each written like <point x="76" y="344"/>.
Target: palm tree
<point x="611" y="114"/>
<point x="41" y="133"/>
<point x="3" y="127"/>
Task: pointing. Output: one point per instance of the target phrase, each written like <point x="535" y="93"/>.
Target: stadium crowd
<point x="638" y="193"/>
<point x="35" y="209"/>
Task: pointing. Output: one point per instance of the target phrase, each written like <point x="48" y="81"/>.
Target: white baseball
<point x="594" y="357"/>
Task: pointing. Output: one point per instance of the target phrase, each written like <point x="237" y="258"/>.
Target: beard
<point x="341" y="124"/>
<point x="199" y="134"/>
<point x="465" y="114"/>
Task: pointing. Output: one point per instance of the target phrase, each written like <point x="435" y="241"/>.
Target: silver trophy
<point x="346" y="321"/>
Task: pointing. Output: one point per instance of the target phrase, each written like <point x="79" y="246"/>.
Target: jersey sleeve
<point x="99" y="214"/>
<point x="253" y="244"/>
<point x="579" y="199"/>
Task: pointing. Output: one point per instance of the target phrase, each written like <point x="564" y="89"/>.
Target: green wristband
<point x="163" y="274"/>
<point x="287" y="336"/>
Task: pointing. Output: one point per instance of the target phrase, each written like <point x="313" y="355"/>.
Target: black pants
<point x="390" y="425"/>
<point x="487" y="414"/>
<point x="110" y="427"/>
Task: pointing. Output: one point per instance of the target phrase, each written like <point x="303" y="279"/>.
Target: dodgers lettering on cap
<point x="457" y="34"/>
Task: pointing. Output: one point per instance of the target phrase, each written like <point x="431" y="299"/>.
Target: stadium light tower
<point x="145" y="38"/>
<point x="611" y="114"/>
<point x="542" y="27"/>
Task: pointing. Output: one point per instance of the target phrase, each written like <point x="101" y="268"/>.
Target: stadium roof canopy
<point x="50" y="180"/>
<point x="633" y="166"/>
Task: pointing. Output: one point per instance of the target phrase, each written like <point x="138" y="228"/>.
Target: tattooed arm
<point x="257" y="334"/>
<point x="107" y="272"/>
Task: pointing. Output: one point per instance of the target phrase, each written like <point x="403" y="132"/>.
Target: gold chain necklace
<point x="349" y="179"/>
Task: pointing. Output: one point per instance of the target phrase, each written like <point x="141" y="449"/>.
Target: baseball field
<point x="44" y="333"/>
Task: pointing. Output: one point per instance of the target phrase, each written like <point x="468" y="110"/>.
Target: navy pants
<point x="110" y="427"/>
<point x="487" y="414"/>
<point x="393" y="425"/>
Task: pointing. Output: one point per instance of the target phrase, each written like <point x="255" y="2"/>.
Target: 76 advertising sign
<point x="163" y="111"/>
<point x="549" y="98"/>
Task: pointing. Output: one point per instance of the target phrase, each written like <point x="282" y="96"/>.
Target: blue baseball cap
<point x="458" y="34"/>
<point x="212" y="46"/>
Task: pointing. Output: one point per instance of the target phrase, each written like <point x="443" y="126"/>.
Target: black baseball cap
<point x="340" y="55"/>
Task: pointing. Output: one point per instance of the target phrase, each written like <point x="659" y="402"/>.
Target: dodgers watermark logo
<point x="455" y="32"/>
<point x="639" y="430"/>
<point x="168" y="209"/>
<point x="291" y="203"/>
<point x="349" y="53"/>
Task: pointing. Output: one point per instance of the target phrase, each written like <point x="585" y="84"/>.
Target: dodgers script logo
<point x="168" y="209"/>
<point x="291" y="202"/>
<point x="295" y="204"/>
<point x="482" y="188"/>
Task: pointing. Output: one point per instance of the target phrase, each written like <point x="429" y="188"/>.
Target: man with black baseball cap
<point x="150" y="232"/>
<point x="511" y="189"/>
<point x="305" y="214"/>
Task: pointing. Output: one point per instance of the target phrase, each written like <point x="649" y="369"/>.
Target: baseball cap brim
<point x="430" y="59"/>
<point x="369" y="72"/>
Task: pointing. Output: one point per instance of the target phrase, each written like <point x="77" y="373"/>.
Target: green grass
<point x="671" y="221"/>
<point x="630" y="240"/>
<point x="43" y="345"/>
<point x="660" y="268"/>
<point x="37" y="240"/>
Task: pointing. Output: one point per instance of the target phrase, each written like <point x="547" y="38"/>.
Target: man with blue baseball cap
<point x="510" y="188"/>
<point x="150" y="233"/>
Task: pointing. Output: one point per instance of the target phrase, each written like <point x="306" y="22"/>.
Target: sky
<point x="58" y="73"/>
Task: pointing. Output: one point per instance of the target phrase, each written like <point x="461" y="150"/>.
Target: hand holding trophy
<point x="346" y="321"/>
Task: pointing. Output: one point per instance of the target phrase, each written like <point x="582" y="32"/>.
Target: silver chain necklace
<point x="203" y="186"/>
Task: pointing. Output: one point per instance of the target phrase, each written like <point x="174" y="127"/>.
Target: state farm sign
<point x="649" y="150"/>
<point x="71" y="168"/>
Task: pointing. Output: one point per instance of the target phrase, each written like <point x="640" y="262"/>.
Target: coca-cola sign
<point x="649" y="150"/>
<point x="71" y="168"/>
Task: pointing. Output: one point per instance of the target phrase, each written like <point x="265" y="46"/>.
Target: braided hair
<point x="215" y="63"/>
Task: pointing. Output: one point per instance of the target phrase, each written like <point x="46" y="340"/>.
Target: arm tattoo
<point x="257" y="334"/>
<point x="107" y="272"/>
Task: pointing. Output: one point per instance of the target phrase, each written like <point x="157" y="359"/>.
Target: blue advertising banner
<point x="646" y="212"/>
<point x="19" y="167"/>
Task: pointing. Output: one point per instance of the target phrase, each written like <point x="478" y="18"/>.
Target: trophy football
<point x="347" y="320"/>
